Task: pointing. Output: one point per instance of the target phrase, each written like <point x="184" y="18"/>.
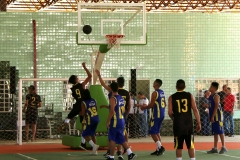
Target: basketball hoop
<point x="114" y="40"/>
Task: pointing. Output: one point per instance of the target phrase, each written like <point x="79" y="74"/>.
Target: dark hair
<point x="87" y="94"/>
<point x="114" y="86"/>
<point x="140" y="93"/>
<point x="224" y="86"/>
<point x="159" y="82"/>
<point x="180" y="84"/>
<point x="72" y="79"/>
<point x="120" y="81"/>
<point x="215" y="85"/>
<point x="205" y="91"/>
<point x="229" y="88"/>
<point x="31" y="87"/>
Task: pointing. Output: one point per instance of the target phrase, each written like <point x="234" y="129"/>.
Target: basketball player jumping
<point x="78" y="94"/>
<point x="180" y="106"/>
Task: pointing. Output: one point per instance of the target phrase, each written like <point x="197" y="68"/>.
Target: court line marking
<point x="220" y="154"/>
<point x="26" y="156"/>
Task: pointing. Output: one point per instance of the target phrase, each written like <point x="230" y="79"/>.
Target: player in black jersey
<point x="78" y="94"/>
<point x="180" y="106"/>
<point x="125" y="95"/>
<point x="33" y="101"/>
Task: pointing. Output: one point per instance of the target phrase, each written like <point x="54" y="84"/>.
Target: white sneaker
<point x="94" y="153"/>
<point x="95" y="148"/>
<point x="67" y="120"/>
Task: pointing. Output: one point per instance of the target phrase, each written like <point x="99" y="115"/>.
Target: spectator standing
<point x="222" y="95"/>
<point x="203" y="110"/>
<point x="228" y="113"/>
<point x="132" y="123"/>
<point x="143" y="102"/>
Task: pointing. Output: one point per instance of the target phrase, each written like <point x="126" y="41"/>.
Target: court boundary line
<point x="220" y="154"/>
<point x="26" y="156"/>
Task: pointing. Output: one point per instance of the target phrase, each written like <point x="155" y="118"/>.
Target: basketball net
<point x="114" y="40"/>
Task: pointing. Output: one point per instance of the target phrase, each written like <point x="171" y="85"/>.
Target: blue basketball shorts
<point x="116" y="135"/>
<point x="90" y="130"/>
<point x="155" y="125"/>
<point x="217" y="127"/>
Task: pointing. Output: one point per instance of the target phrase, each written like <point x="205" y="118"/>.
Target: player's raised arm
<point x="102" y="82"/>
<point x="170" y="109"/>
<point x="153" y="99"/>
<point x="196" y="113"/>
<point x="111" y="113"/>
<point x="89" y="75"/>
<point x="216" y="100"/>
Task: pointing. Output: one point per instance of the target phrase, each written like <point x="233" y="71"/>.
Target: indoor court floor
<point x="41" y="151"/>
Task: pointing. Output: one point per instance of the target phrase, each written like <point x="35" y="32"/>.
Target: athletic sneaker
<point x="120" y="157"/>
<point x="132" y="156"/>
<point x="106" y="155"/>
<point x="95" y="148"/>
<point x="212" y="151"/>
<point x="223" y="150"/>
<point x="159" y="151"/>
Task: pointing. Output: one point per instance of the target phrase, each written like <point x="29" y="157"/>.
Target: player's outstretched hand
<point x="98" y="72"/>
<point x="84" y="64"/>
<point x="199" y="127"/>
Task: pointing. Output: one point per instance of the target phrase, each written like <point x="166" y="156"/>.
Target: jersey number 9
<point x="78" y="93"/>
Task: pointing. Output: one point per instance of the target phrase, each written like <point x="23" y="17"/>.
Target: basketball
<point x="87" y="29"/>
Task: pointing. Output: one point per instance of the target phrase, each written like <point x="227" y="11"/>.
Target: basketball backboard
<point x="112" y="18"/>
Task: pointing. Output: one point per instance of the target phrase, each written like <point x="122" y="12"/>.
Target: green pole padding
<point x="103" y="48"/>
<point x="98" y="94"/>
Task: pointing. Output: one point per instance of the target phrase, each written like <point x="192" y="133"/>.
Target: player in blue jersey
<point x="116" y="124"/>
<point x="216" y="118"/>
<point x="158" y="104"/>
<point x="89" y="111"/>
<point x="125" y="109"/>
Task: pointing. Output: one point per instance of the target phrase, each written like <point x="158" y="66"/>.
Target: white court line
<point x="26" y="156"/>
<point x="220" y="154"/>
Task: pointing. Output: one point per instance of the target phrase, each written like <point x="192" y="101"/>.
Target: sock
<point x="91" y="143"/>
<point x="214" y="147"/>
<point x="129" y="151"/>
<point x="111" y="157"/>
<point x="192" y="158"/>
<point x="179" y="158"/>
<point x="83" y="140"/>
<point x="159" y="145"/>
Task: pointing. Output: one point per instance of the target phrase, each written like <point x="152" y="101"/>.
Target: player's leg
<point x="83" y="122"/>
<point x="121" y="140"/>
<point x="112" y="137"/>
<point x="178" y="146"/>
<point x="223" y="149"/>
<point x="189" y="139"/>
<point x="106" y="155"/>
<point x="34" y="128"/>
<point x="155" y="133"/>
<point x="88" y="133"/>
<point x="27" y="130"/>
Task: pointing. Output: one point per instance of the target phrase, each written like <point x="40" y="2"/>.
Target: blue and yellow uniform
<point x="117" y="123"/>
<point x="217" y="125"/>
<point x="91" y="118"/>
<point x="158" y="113"/>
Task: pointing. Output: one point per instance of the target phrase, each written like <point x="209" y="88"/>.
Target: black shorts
<point x="189" y="140"/>
<point x="75" y="110"/>
<point x="31" y="115"/>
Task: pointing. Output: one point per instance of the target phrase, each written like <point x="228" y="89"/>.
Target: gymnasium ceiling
<point x="151" y="5"/>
